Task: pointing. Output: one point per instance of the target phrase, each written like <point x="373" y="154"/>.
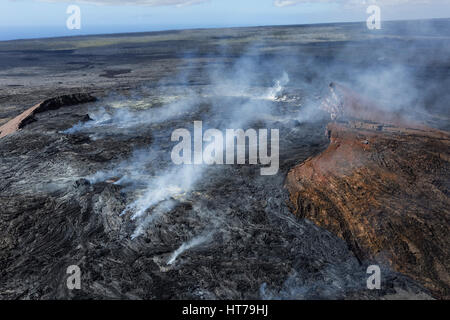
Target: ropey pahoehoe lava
<point x="87" y="178"/>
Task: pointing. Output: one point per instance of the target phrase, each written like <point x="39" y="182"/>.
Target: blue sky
<point x="39" y="18"/>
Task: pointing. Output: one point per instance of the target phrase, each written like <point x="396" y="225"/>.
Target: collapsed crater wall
<point x="384" y="189"/>
<point x="49" y="104"/>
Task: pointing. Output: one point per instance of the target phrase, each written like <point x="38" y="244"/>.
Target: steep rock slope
<point x="50" y="104"/>
<point x="383" y="187"/>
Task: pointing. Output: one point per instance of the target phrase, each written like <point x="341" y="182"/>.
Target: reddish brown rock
<point x="50" y="104"/>
<point x="384" y="189"/>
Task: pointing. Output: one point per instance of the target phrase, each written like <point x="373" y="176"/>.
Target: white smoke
<point x="172" y="183"/>
<point x="160" y="209"/>
<point x="188" y="245"/>
<point x="124" y="114"/>
<point x="236" y="97"/>
<point x="133" y="172"/>
<point x="160" y="188"/>
<point x="274" y="92"/>
<point x="99" y="118"/>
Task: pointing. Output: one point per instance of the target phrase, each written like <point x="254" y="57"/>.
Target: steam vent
<point x="245" y="164"/>
<point x="382" y="186"/>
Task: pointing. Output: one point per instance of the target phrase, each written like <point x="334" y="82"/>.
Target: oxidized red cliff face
<point x="50" y="104"/>
<point x="384" y="189"/>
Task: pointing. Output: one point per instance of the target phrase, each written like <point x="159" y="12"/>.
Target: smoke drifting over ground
<point x="253" y="91"/>
<point x="153" y="179"/>
<point x="216" y="231"/>
<point x="188" y="245"/>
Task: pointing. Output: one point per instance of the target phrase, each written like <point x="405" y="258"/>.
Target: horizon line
<point x="214" y="28"/>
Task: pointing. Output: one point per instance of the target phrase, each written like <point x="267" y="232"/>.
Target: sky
<point x="21" y="19"/>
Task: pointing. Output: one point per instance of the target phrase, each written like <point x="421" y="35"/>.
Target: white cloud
<point x="285" y="3"/>
<point x="153" y="3"/>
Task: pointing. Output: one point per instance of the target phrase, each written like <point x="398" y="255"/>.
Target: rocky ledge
<point x="383" y="188"/>
<point x="27" y="116"/>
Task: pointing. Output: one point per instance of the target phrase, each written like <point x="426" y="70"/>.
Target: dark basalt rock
<point x="28" y="116"/>
<point x="65" y="100"/>
<point x="52" y="217"/>
<point x="383" y="188"/>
